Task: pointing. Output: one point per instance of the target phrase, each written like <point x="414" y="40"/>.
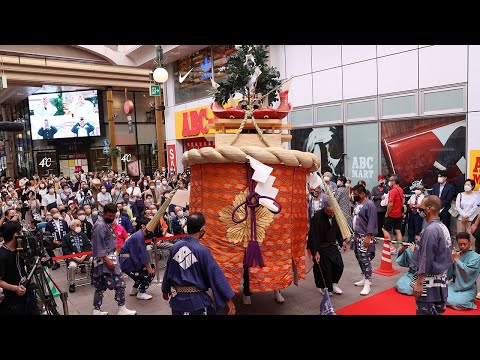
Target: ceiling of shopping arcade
<point x="45" y="68"/>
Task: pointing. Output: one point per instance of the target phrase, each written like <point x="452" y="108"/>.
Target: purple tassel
<point x="254" y="255"/>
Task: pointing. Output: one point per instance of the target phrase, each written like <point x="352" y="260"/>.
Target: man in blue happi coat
<point x="135" y="260"/>
<point x="191" y="270"/>
<point x="432" y="257"/>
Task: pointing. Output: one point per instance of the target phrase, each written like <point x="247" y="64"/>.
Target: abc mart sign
<point x="192" y="123"/>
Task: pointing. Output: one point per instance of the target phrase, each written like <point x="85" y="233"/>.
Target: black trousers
<point x="20" y="305"/>
<point x="445" y="218"/>
<point x="332" y="267"/>
<point x="380" y="221"/>
<point x="49" y="247"/>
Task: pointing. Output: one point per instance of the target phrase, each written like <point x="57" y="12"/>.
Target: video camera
<point x="31" y="243"/>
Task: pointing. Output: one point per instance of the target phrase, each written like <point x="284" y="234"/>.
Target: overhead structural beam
<point x="26" y="70"/>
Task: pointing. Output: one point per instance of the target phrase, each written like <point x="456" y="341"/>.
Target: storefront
<point x="398" y="109"/>
<point x="136" y="139"/>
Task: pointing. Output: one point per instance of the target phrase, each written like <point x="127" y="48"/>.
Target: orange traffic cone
<point x="386" y="267"/>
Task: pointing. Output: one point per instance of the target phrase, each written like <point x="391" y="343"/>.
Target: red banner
<point x="172" y="158"/>
<point x="198" y="143"/>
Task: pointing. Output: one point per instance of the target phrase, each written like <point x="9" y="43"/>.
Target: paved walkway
<point x="299" y="300"/>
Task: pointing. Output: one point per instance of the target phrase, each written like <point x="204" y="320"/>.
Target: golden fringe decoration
<point x="241" y="232"/>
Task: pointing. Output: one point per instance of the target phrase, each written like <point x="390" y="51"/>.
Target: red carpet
<point x="391" y="302"/>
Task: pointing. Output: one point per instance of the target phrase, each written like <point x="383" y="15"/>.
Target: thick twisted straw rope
<point x="268" y="156"/>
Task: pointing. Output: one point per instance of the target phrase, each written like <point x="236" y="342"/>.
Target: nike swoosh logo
<point x="181" y="78"/>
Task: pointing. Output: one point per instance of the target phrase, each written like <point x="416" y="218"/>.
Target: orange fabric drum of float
<point x="215" y="184"/>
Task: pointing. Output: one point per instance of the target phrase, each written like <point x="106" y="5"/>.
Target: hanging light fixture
<point x="160" y="74"/>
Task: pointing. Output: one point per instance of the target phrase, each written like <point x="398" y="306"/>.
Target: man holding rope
<point x="323" y="237"/>
<point x="432" y="257"/>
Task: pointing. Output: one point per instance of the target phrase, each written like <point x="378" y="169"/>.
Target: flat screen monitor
<point x="64" y="115"/>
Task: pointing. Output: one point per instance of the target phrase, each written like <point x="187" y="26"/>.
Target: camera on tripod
<point x="31" y="244"/>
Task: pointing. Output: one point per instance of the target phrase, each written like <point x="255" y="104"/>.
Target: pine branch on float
<point x="242" y="66"/>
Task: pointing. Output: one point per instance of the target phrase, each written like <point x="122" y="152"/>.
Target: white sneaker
<point x="99" y="312"/>
<point x="122" y="310"/>
<point x="478" y="296"/>
<point x="247" y="300"/>
<point x="278" y="297"/>
<point x="134" y="291"/>
<point x="361" y="282"/>
<point x="144" y="296"/>
<point x="366" y="288"/>
<point x="336" y="289"/>
<point x="322" y="291"/>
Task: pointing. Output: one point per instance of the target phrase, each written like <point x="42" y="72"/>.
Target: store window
<point x="361" y="110"/>
<point x="329" y="113"/>
<point x="144" y="107"/>
<point x="46" y="163"/>
<point x="99" y="161"/>
<point x="441" y="101"/>
<point x="301" y="117"/>
<point x="362" y="153"/>
<point x="129" y="160"/>
<point x="192" y="76"/>
<point x="404" y="105"/>
<point x="417" y="149"/>
<point x="220" y="57"/>
<point x="325" y="142"/>
<point x="194" y="72"/>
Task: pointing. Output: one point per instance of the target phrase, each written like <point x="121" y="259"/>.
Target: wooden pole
<point x="160" y="128"/>
<point x="111" y="126"/>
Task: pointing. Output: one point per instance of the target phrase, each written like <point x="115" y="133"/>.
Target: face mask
<point x="150" y="217"/>
<point x="356" y="198"/>
<point x="314" y="193"/>
<point x="467" y="188"/>
<point x="145" y="183"/>
<point x="421" y="212"/>
<point x="441" y="179"/>
<point x="327" y="178"/>
<point x="81" y="217"/>
<point x="390" y="183"/>
<point x="78" y="229"/>
<point x="180" y="214"/>
<point x="152" y="187"/>
<point x="117" y="214"/>
<point x="56" y="216"/>
<point x="94" y="213"/>
<point x="418" y="192"/>
<point x="9" y="202"/>
<point x="51" y="191"/>
<point x="164" y="182"/>
<point x="104" y="191"/>
<point x="348" y="184"/>
<point x="158" y="183"/>
<point x="105" y="180"/>
<point x="108" y="221"/>
<point x="154" y="212"/>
